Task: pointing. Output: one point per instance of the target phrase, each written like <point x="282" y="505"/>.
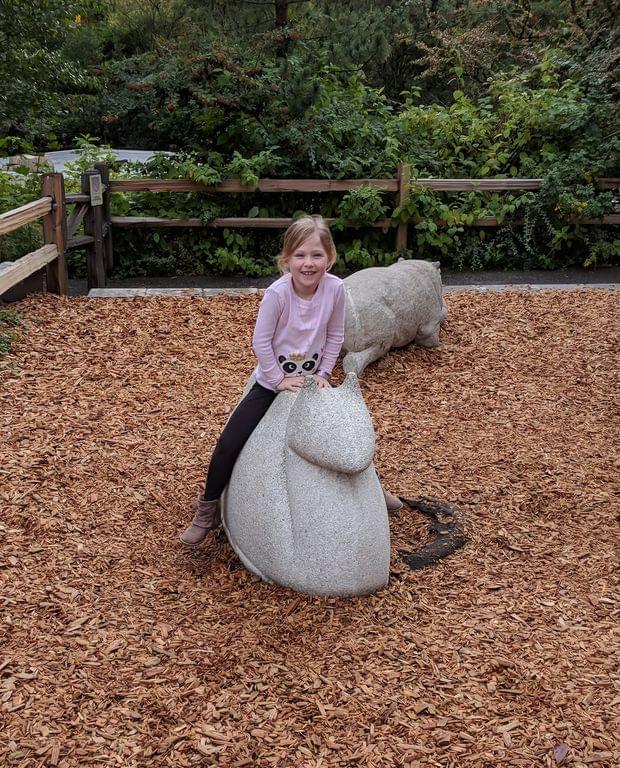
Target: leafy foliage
<point x="40" y="82"/>
<point x="364" y="205"/>
<point x="17" y="190"/>
<point x="320" y="89"/>
<point x="9" y="323"/>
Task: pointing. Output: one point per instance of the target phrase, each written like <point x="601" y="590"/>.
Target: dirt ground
<point x="119" y="648"/>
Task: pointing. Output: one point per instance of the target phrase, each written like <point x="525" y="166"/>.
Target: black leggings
<point x="242" y="423"/>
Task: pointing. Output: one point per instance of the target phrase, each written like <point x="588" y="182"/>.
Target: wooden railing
<point x="400" y="186"/>
<point x="59" y="232"/>
<point x="25" y="214"/>
<point x="92" y="212"/>
<point x="51" y="208"/>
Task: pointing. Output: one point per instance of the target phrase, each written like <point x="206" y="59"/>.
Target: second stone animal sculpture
<point x="390" y="307"/>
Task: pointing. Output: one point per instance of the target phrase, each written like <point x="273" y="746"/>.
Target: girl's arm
<point x="262" y="341"/>
<point x="335" y="334"/>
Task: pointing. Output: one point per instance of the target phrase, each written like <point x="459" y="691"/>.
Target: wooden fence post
<point x="93" y="226"/>
<point x="55" y="232"/>
<point x="404" y="179"/>
<point x="104" y="172"/>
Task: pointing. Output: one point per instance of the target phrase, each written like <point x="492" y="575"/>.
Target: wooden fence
<point x="59" y="232"/>
<point x="91" y="211"/>
<point x="51" y="208"/>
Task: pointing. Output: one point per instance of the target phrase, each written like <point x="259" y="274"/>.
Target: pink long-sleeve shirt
<point x="295" y="336"/>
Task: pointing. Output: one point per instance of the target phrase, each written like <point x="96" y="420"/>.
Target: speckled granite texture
<point x="389" y="307"/>
<point x="304" y="507"/>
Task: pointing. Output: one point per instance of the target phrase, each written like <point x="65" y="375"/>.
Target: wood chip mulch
<point x="119" y="648"/>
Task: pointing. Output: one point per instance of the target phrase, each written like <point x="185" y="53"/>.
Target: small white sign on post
<point x="96" y="189"/>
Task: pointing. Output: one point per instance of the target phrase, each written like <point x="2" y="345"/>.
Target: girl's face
<point x="307" y="265"/>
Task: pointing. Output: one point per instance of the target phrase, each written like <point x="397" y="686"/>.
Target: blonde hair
<point x="299" y="231"/>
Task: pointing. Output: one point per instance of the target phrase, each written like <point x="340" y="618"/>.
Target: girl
<point x="299" y="332"/>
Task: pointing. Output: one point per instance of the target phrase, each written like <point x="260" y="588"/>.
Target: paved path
<point x="205" y="285"/>
<point x="132" y="293"/>
<point x="59" y="159"/>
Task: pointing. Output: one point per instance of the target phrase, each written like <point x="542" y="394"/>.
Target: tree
<point x="33" y="70"/>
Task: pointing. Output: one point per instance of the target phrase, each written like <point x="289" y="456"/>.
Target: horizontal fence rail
<point x="326" y="185"/>
<point x="282" y="223"/>
<point x="496" y="185"/>
<point x="14" y="272"/>
<point x="233" y="222"/>
<point x="25" y="214"/>
<point x="263" y="185"/>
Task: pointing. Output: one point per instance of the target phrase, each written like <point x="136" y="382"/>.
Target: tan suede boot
<point x="393" y="503"/>
<point x="206" y="517"/>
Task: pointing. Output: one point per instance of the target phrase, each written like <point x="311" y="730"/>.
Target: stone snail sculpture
<point x="390" y="307"/>
<point x="304" y="507"/>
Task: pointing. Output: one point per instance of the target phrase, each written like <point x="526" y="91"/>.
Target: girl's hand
<point x="322" y="382"/>
<point x="290" y="383"/>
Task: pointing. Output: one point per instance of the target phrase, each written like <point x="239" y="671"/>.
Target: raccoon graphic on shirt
<point x="298" y="364"/>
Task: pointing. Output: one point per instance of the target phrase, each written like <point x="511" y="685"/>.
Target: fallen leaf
<point x="559" y="753"/>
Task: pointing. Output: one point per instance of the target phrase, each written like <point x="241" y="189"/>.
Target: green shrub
<point x="297" y="116"/>
<point x="17" y="190"/>
<point x="9" y="322"/>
